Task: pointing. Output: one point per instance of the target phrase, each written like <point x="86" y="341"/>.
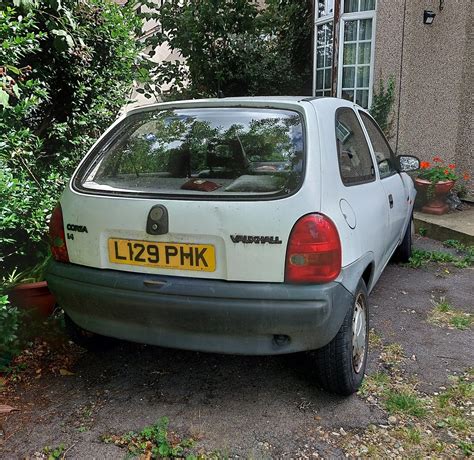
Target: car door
<point x="397" y="196"/>
<point x="362" y="197"/>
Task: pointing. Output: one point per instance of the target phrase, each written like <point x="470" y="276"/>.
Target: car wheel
<point x="85" y="339"/>
<point x="340" y="365"/>
<point x="403" y="252"/>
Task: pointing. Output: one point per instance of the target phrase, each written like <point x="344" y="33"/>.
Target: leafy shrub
<point x="66" y="69"/>
<point x="9" y="322"/>
<point x="233" y="47"/>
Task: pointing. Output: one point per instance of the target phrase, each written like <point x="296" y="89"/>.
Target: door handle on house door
<point x="390" y="200"/>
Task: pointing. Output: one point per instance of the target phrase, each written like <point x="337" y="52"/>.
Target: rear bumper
<point x="196" y="314"/>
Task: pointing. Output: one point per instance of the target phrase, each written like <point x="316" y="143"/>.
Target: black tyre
<point x="86" y="339"/>
<point x="403" y="252"/>
<point x="340" y="365"/>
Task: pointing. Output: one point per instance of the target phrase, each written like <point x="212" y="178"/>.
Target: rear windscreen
<point x="209" y="151"/>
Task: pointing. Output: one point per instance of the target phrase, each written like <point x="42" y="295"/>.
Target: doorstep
<point x="457" y="225"/>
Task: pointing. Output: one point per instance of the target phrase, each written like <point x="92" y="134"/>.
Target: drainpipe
<point x="401" y="75"/>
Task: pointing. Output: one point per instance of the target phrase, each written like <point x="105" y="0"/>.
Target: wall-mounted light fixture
<point x="428" y="17"/>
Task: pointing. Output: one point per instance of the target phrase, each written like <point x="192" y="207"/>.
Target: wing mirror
<point x="407" y="163"/>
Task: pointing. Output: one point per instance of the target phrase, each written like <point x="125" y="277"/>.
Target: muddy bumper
<point x="199" y="314"/>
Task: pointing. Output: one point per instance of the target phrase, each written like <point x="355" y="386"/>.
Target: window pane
<point x="320" y="52"/>
<point x="350" y="31"/>
<point x="348" y="94"/>
<point x="320" y="79"/>
<point x="319" y="93"/>
<point x="351" y="6"/>
<point x="355" y="161"/>
<point x="364" y="53"/>
<point x="383" y="152"/>
<point x="324" y="57"/>
<point x="328" y="57"/>
<point x="349" y="54"/>
<point x="362" y="98"/>
<point x="348" y="77"/>
<point x="365" y="29"/>
<point x="366" y="5"/>
<point x="325" y="7"/>
<point x="327" y="93"/>
<point x="363" y="76"/>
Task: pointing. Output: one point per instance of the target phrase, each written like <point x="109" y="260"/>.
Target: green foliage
<point x="231" y="46"/>
<point x="153" y="440"/>
<point x="466" y="447"/>
<point x="405" y="402"/>
<point x="422" y="231"/>
<point x="9" y="323"/>
<point x="66" y="68"/>
<point x="382" y="106"/>
<point x="419" y="258"/>
<point x="462" y="322"/>
<point x="54" y="453"/>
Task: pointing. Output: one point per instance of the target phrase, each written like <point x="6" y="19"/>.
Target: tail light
<point x="57" y="236"/>
<point x="314" y="251"/>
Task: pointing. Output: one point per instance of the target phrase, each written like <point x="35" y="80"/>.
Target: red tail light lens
<point x="314" y="251"/>
<point x="57" y="236"/>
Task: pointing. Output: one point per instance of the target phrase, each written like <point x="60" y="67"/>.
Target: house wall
<point x="435" y="95"/>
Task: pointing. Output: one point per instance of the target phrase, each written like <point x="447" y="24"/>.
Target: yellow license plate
<point x="179" y="256"/>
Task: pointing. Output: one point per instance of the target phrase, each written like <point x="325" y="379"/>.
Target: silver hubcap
<point x="359" y="326"/>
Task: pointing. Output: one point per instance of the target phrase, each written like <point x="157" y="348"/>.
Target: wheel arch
<point x="363" y="268"/>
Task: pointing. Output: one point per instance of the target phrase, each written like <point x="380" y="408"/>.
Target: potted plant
<point x="28" y="291"/>
<point x="434" y="182"/>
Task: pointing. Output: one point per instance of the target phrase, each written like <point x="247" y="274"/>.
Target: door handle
<point x="390" y="200"/>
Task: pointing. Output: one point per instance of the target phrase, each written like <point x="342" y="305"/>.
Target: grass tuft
<point x="406" y="403"/>
<point x="444" y="314"/>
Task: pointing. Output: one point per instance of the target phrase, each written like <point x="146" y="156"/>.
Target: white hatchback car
<point x="237" y="225"/>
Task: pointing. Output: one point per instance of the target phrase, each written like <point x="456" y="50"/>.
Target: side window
<point x="382" y="150"/>
<point x="355" y="162"/>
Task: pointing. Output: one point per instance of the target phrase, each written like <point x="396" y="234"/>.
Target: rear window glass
<point x="207" y="151"/>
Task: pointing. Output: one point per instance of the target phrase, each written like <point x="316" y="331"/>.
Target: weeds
<point x="422" y="231"/>
<point x="462" y="321"/>
<point x="375" y="339"/>
<point x="444" y="314"/>
<point x="466" y="447"/>
<point x="405" y="402"/>
<point x="153" y="441"/>
<point x="420" y="258"/>
<point x="54" y="453"/>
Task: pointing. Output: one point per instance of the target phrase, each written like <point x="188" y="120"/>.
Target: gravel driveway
<point x="258" y="407"/>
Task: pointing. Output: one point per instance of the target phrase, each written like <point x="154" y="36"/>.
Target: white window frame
<point x="351" y="17"/>
<point x="327" y="18"/>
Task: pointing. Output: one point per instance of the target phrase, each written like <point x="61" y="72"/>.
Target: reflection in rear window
<point x="208" y="151"/>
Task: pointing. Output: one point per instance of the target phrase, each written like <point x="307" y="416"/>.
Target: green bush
<point x="66" y="69"/>
<point x="233" y="47"/>
<point x="9" y="323"/>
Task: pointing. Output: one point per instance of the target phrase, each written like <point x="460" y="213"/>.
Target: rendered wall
<point x="435" y="116"/>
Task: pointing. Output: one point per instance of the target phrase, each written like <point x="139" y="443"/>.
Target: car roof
<point x="317" y="102"/>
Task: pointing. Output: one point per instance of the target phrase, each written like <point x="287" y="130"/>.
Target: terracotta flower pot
<point x="435" y="195"/>
<point x="33" y="297"/>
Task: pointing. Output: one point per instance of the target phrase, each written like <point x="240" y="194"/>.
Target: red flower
<point x="466" y="176"/>
<point x="425" y="164"/>
<point x="437" y="159"/>
<point x="452" y="166"/>
<point x="446" y="171"/>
